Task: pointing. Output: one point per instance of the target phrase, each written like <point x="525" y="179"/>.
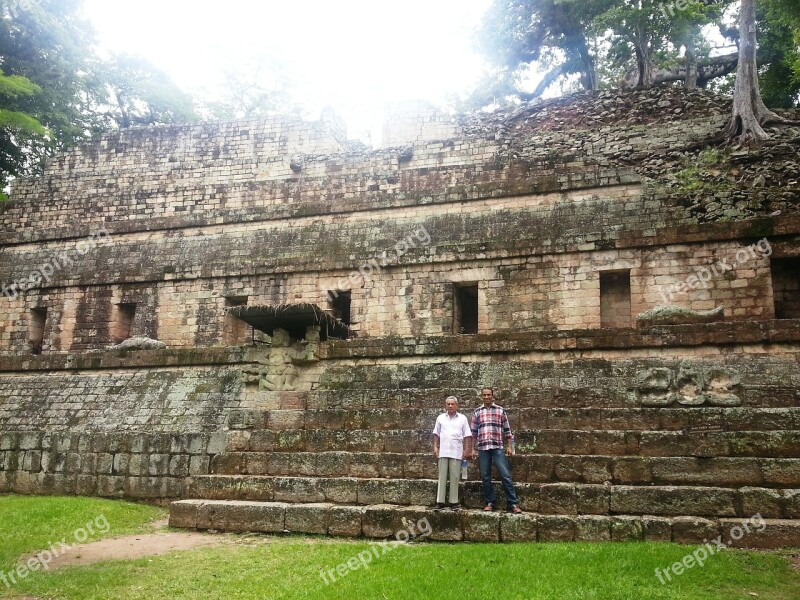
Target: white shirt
<point x="451" y="432"/>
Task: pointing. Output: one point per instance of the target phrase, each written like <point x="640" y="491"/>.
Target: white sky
<point x="355" y="55"/>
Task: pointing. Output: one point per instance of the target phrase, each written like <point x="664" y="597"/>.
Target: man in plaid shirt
<point x="490" y="426"/>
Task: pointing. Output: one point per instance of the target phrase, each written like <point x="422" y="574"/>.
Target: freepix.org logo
<point x="44" y="272"/>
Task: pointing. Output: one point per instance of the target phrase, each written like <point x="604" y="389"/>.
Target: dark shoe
<point x="455" y="506"/>
<point x="439" y="506"/>
<point x="515" y="510"/>
<point x="488" y="508"/>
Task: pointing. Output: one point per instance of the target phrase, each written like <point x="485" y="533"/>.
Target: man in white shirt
<point x="451" y="432"/>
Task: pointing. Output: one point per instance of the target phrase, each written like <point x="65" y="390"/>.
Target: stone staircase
<point x="359" y="463"/>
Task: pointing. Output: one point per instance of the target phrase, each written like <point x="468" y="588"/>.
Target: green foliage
<point x="255" y="88"/>
<point x="779" y="52"/>
<point x="705" y="173"/>
<point x="607" y="42"/>
<point x="141" y="94"/>
<point x="546" y="34"/>
<point x="55" y="92"/>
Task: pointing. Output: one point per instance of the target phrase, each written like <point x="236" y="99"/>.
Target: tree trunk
<point x="749" y="110"/>
<point x="643" y="60"/>
<point x="588" y="71"/>
<point x="691" y="64"/>
<point x="707" y="69"/>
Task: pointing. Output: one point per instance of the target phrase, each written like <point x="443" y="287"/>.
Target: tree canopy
<point x="627" y="43"/>
<point x="55" y="91"/>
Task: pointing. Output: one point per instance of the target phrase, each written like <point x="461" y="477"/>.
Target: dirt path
<point x="135" y="546"/>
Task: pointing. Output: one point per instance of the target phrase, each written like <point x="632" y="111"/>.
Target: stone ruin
<point x="316" y="301"/>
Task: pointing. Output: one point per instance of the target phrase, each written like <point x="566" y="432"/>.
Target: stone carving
<point x="677" y="315"/>
<point x="296" y="163"/>
<point x="691" y="385"/>
<point x="653" y="387"/>
<point x="280" y="373"/>
<point x="138" y="343"/>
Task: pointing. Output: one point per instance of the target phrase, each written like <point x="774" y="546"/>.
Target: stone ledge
<point x="382" y="521"/>
<point x="122" y="359"/>
<point x="545" y="498"/>
<point x="709" y="334"/>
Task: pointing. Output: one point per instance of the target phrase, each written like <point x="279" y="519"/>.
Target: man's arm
<point x="436" y="445"/>
<point x="468" y="439"/>
<point x="473" y="425"/>
<point x="507" y="434"/>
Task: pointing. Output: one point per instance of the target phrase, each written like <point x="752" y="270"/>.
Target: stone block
<point x="627" y="528"/>
<point x="673" y="500"/>
<point x="592" y="528"/>
<point x="396" y="491"/>
<point x="755" y="533"/>
<point x="110" y="486"/>
<point x="657" y="529"/>
<point x="694" y="530"/>
<point x="370" y="491"/>
<point x="592" y="499"/>
<point x="558" y="499"/>
<point x="381" y="521"/>
<point x="199" y="465"/>
<point x="518" y="528"/>
<point x="792" y="504"/>
<point x="482" y="526"/>
<point x="228" y="515"/>
<point x="556" y="528"/>
<point x="345" y="520"/>
<point x="184" y="513"/>
<point x="340" y="490"/>
<point x="766" y="502"/>
<point x="307" y="518"/>
<point x="446" y="526"/>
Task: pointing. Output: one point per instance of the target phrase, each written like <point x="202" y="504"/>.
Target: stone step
<point x="767" y="444"/>
<point x="565" y="392"/>
<point x="382" y="521"/>
<point x="634" y="419"/>
<point x="549" y="498"/>
<point x="532" y="468"/>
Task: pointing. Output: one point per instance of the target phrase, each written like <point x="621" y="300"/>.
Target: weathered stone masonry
<point x="667" y="432"/>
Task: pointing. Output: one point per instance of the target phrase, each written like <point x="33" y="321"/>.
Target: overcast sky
<point x="356" y="55"/>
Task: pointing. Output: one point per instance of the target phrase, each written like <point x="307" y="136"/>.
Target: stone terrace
<point x="671" y="432"/>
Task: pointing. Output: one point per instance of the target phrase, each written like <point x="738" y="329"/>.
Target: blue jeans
<point x="485" y="460"/>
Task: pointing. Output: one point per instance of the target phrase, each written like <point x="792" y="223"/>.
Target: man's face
<point x="451" y="406"/>
<point x="487" y="396"/>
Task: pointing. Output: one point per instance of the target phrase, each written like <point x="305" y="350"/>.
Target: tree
<point x="58" y="83"/>
<point x="46" y="44"/>
<point x="257" y="88"/>
<point x="140" y="94"/>
<point x="750" y="113"/>
<point x="778" y="44"/>
<point x="650" y="34"/>
<point x="548" y="33"/>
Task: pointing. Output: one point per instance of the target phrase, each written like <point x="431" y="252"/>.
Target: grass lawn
<point x="275" y="567"/>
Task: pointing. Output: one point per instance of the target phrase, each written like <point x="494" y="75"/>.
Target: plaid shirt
<point x="489" y="427"/>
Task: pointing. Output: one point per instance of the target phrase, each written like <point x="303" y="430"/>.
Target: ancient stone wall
<point x="156" y="232"/>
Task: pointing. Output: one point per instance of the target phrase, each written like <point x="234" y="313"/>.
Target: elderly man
<point x="450" y="434"/>
<point x="489" y="428"/>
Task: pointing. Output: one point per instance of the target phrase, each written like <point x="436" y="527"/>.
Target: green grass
<point x="289" y="568"/>
<point x="30" y="523"/>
